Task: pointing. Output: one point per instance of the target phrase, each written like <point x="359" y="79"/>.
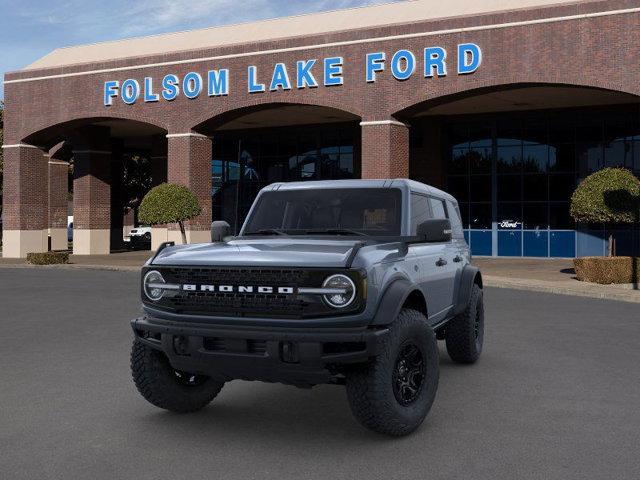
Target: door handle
<point x="441" y="262"/>
<point x="457" y="258"/>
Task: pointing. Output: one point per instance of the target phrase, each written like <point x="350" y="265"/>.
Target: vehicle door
<point x="423" y="261"/>
<point x="461" y="249"/>
<point x="448" y="265"/>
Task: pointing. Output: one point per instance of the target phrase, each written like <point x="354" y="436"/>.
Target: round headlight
<point x="345" y="291"/>
<point x="151" y="283"/>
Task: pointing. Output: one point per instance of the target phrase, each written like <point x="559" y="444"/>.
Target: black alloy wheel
<point x="408" y="373"/>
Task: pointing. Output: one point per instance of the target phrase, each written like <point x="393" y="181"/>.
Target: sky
<point x="29" y="29"/>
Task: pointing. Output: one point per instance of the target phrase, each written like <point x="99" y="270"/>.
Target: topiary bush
<point x="48" y="258"/>
<point x="611" y="195"/>
<point x="169" y="203"/>
<point x="607" y="270"/>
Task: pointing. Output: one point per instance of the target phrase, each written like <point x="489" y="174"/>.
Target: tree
<point x="169" y="203"/>
<point x="611" y="195"/>
<point x="136" y="181"/>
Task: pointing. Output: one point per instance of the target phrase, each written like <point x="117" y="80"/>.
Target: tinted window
<point x="372" y="211"/>
<point x="456" y="222"/>
<point x="438" y="209"/>
<point x="419" y="211"/>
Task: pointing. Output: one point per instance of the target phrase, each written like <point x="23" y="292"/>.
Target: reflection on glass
<point x="480" y="215"/>
<point x="480" y="159"/>
<point x="459" y="161"/>
<point x="618" y="154"/>
<point x="535" y="158"/>
<point x="306" y="153"/>
<point x="510" y="159"/>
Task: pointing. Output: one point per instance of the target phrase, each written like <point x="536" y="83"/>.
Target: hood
<point x="269" y="252"/>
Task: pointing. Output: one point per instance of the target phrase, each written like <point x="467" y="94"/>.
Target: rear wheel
<point x="165" y="387"/>
<point x="465" y="333"/>
<point x="394" y="393"/>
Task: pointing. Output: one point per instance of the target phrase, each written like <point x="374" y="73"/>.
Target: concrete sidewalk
<point x="548" y="275"/>
<point x="539" y="275"/>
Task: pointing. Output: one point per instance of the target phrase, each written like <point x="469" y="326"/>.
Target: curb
<point x="604" y="292"/>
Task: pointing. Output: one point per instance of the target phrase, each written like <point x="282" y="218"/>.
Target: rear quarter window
<point x="437" y="207"/>
<point x="456" y="222"/>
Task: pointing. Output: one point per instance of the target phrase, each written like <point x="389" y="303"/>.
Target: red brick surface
<point x="58" y="192"/>
<point x="189" y="164"/>
<point x="26" y="187"/>
<point x="385" y="151"/>
<point x="600" y="52"/>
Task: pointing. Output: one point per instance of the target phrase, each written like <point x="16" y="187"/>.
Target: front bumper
<point x="299" y="356"/>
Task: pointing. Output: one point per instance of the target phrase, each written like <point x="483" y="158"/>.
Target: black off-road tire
<point x="161" y="385"/>
<point x="372" y="389"/>
<point x="465" y="333"/>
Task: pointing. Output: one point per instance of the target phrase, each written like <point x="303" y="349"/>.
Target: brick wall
<point x="599" y="51"/>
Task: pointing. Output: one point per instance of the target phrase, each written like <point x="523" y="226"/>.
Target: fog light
<point x="289" y="352"/>
<point x="181" y="345"/>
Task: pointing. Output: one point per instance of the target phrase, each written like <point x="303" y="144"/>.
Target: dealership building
<point x="506" y="104"/>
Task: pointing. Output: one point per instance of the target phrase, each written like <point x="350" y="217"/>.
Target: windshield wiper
<point x="267" y="231"/>
<point x="337" y="231"/>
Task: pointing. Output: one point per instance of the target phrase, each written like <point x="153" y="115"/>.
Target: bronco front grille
<point x="234" y="304"/>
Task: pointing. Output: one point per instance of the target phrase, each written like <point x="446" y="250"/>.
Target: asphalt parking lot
<point x="555" y="395"/>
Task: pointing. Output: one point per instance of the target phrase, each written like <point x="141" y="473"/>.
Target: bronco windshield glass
<point x="351" y="211"/>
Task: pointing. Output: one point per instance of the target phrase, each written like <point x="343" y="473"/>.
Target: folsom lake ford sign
<point x="309" y="73"/>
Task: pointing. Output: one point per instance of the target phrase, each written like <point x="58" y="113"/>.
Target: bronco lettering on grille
<point x="237" y="289"/>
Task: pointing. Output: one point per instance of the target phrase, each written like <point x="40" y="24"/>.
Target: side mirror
<point x="435" y="230"/>
<point x="219" y="230"/>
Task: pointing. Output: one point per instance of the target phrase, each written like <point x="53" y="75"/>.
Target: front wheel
<point x="394" y="393"/>
<point x="163" y="386"/>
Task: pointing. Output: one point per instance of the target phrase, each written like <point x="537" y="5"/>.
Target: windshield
<point x="352" y="211"/>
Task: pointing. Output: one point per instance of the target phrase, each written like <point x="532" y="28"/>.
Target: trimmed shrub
<point x="169" y="203"/>
<point x="607" y="270"/>
<point x="48" y="258"/>
<point x="611" y="195"/>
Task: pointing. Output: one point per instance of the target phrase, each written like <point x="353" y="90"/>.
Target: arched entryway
<point x="110" y="162"/>
<point x="255" y="146"/>
<point x="513" y="155"/>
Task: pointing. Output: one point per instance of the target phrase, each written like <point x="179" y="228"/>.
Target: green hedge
<point x="607" y="270"/>
<point x="48" y="258"/>
<point x="611" y="195"/>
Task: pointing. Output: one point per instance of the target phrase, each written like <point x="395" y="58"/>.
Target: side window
<point x="438" y="208"/>
<point x="456" y="222"/>
<point x="420" y="211"/>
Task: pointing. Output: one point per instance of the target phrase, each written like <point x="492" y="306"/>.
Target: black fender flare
<point x="469" y="275"/>
<point x="392" y="300"/>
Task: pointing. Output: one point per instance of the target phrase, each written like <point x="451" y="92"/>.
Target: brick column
<point x="189" y="164"/>
<point x="385" y="149"/>
<point x="158" y="160"/>
<point x="117" y="208"/>
<point x="25" y="211"/>
<point x="159" y="233"/>
<point x="58" y="191"/>
<point x="92" y="192"/>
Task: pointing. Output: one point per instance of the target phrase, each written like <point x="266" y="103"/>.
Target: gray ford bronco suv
<point x="347" y="282"/>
